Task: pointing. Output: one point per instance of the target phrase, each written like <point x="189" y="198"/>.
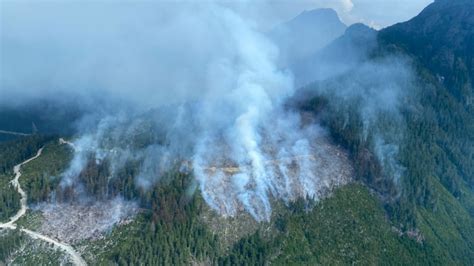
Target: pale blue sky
<point x="384" y="13"/>
<point x="375" y="13"/>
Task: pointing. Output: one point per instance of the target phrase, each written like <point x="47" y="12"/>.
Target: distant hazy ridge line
<point x="14" y="133"/>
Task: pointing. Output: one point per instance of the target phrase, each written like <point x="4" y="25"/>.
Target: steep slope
<point x="441" y="41"/>
<point x="170" y="230"/>
<point x="442" y="38"/>
<point x="436" y="122"/>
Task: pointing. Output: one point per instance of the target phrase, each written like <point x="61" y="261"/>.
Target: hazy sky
<point x="375" y="13"/>
<point x="384" y="13"/>
<point x="108" y="43"/>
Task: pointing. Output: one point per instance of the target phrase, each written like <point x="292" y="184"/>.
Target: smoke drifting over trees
<point x="201" y="81"/>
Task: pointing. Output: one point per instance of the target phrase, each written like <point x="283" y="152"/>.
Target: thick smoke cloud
<point x="54" y="48"/>
<point x="201" y="77"/>
<point x="219" y="73"/>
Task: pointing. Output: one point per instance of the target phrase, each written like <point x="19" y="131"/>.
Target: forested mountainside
<point x="445" y="64"/>
<point x="176" y="228"/>
<point x="437" y="149"/>
<point x="440" y="40"/>
<point x="412" y="200"/>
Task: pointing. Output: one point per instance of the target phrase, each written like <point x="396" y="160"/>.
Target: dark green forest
<point x="12" y="153"/>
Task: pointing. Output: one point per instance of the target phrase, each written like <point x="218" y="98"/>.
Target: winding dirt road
<point x="75" y="257"/>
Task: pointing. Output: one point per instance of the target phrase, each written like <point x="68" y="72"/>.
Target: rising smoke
<point x="204" y="80"/>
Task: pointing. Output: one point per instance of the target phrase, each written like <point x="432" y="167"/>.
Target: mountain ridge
<point x="306" y="33"/>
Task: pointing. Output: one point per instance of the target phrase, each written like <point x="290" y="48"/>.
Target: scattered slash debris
<point x="74" y="222"/>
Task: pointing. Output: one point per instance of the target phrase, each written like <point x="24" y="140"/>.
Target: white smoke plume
<point x="206" y="78"/>
<point x="203" y="74"/>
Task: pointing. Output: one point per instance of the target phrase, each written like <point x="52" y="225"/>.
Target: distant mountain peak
<point x="306" y="33"/>
<point x="318" y="15"/>
<point x="358" y="29"/>
<point x="329" y="12"/>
